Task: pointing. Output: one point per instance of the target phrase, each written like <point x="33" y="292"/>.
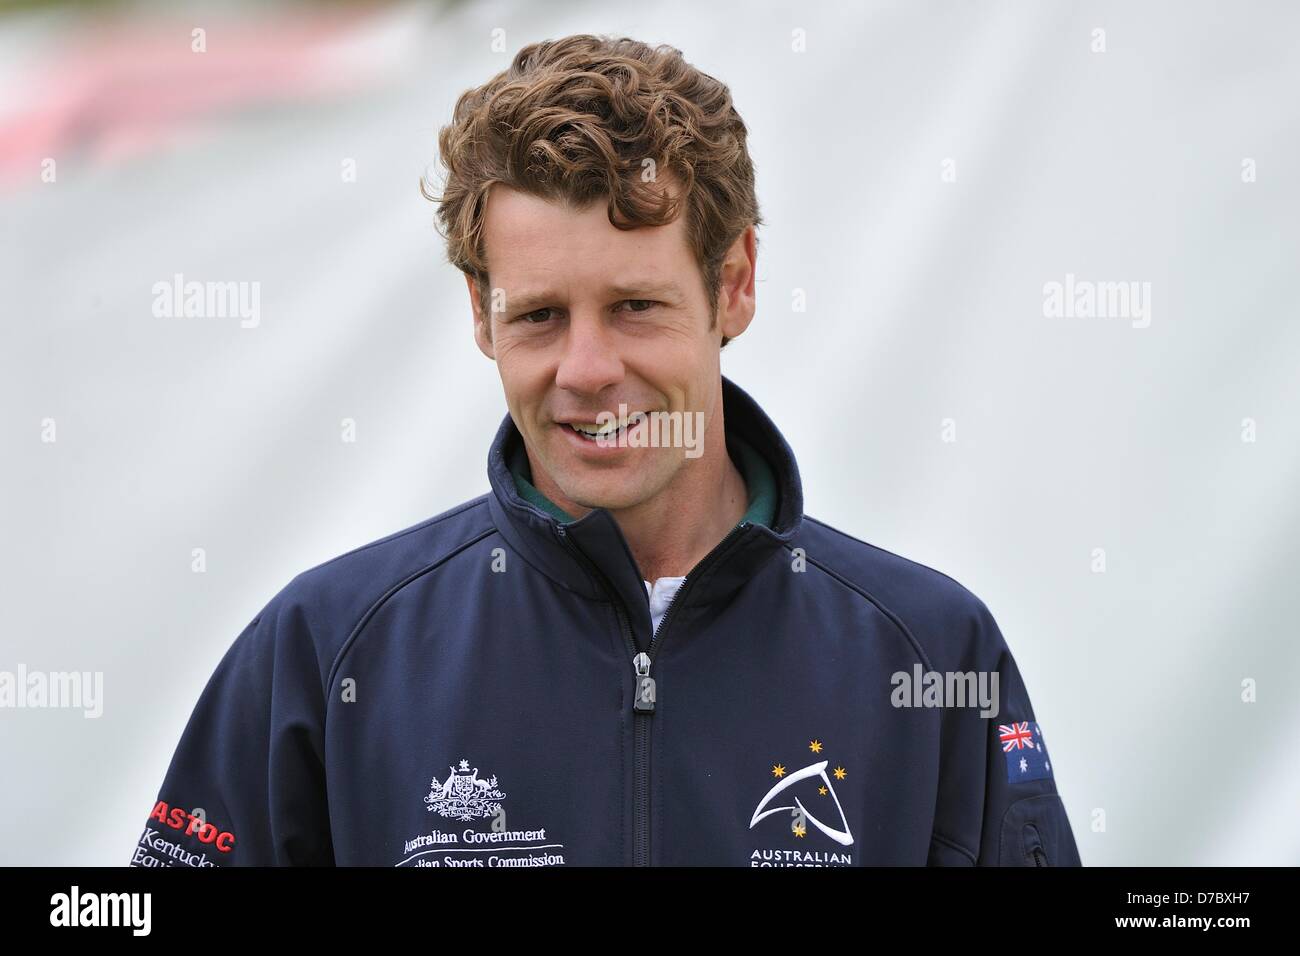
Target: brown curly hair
<point x="585" y="118"/>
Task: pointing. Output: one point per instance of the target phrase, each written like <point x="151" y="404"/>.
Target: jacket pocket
<point x="1036" y="832"/>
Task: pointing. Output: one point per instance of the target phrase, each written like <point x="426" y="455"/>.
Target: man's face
<point x="585" y="318"/>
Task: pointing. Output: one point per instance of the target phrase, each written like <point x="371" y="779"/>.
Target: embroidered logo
<point x="486" y="839"/>
<point x="1026" y="752"/>
<point x="807" y="798"/>
<point x="464" y="795"/>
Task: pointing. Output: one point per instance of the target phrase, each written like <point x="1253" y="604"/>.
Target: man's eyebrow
<point x="646" y="290"/>
<point x="528" y="301"/>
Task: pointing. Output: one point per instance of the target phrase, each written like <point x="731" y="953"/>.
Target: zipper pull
<point x="643" y="701"/>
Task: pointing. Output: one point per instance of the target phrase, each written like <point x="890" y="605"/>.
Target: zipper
<point x="655" y="638"/>
<point x="1035" y="851"/>
<point x="643" y="698"/>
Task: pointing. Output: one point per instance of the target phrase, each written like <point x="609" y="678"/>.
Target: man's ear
<point x="482" y="320"/>
<point x="736" y="285"/>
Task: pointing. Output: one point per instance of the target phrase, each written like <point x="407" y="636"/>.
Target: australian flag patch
<point x="1026" y="753"/>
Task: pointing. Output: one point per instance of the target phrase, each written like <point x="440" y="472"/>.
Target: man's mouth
<point x="595" y="432"/>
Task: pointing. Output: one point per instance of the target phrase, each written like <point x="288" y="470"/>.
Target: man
<point x="636" y="649"/>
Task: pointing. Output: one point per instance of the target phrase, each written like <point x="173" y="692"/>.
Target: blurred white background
<point x="924" y="303"/>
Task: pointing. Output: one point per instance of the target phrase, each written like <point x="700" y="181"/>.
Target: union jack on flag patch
<point x="1026" y="753"/>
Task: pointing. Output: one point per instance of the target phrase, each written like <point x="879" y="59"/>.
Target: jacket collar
<point x="602" y="551"/>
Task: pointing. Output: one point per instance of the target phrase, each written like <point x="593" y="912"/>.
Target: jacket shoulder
<point x="324" y="604"/>
<point x="402" y="551"/>
<point x="953" y="627"/>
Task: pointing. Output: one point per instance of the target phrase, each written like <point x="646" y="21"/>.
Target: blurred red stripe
<point x="116" y="89"/>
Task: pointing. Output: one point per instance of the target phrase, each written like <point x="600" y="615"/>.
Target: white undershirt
<point x="661" y="595"/>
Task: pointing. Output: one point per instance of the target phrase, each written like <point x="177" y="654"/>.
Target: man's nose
<point x="591" y="360"/>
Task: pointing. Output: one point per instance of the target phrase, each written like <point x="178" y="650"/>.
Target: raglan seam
<point x="962" y="589"/>
<point x="892" y="554"/>
<point x="392" y="590"/>
<point x="875" y="602"/>
<point x="423" y="525"/>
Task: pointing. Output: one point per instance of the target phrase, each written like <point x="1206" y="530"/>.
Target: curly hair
<point x="588" y="117"/>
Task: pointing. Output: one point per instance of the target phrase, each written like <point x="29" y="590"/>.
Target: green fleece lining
<point x="760" y="481"/>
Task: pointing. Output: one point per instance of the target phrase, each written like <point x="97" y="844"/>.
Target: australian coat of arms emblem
<point x="465" y="795"/>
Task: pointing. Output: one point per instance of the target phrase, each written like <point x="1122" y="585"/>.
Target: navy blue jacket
<point x="482" y="689"/>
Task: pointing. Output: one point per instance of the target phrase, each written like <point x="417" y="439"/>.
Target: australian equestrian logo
<point x="805" y="802"/>
<point x="464" y="795"/>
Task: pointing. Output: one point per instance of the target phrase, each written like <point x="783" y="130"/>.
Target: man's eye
<point x="536" y="316"/>
<point x="646" y="304"/>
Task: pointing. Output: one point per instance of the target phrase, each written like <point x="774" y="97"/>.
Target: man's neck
<point x="673" y="531"/>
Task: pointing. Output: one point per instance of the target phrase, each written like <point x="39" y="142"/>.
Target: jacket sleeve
<point x="999" y="805"/>
<point x="1025" y="823"/>
<point x="246" y="784"/>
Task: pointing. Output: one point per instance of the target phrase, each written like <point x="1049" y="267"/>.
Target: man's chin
<point x="609" y="500"/>
<point x="604" y="492"/>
